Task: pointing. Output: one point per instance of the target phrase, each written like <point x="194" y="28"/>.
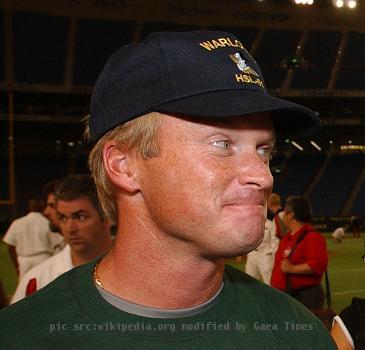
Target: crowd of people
<point x="182" y="129"/>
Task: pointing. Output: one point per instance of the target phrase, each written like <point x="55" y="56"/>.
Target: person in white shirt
<point x="42" y="274"/>
<point x="260" y="261"/>
<point x="29" y="240"/>
<point x="338" y="234"/>
<point x="49" y="190"/>
<point x="275" y="213"/>
<point x="86" y="232"/>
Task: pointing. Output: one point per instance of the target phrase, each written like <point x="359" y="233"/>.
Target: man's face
<point x="81" y="225"/>
<point x="288" y="216"/>
<point x="50" y="213"/>
<point x="207" y="190"/>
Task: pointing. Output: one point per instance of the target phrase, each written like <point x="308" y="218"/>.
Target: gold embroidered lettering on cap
<point x="207" y="45"/>
<point x="230" y="42"/>
<point x="243" y="78"/>
<point x="216" y="44"/>
<point x="238" y="44"/>
<point x="239" y="78"/>
<point x="223" y="41"/>
<point x="220" y="42"/>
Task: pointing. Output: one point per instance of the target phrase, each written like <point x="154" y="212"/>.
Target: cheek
<point x="63" y="230"/>
<point x="182" y="187"/>
<point x="88" y="229"/>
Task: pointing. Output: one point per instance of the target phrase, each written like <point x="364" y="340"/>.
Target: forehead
<point x="75" y="205"/>
<point x="51" y="198"/>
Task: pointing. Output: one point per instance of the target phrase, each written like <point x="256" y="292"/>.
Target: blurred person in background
<point x="49" y="191"/>
<point x="86" y="232"/>
<point x="355" y="224"/>
<point x="275" y="214"/>
<point x="338" y="234"/>
<point x="301" y="258"/>
<point x="29" y="240"/>
<point x="260" y="261"/>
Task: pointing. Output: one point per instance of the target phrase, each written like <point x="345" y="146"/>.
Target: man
<point x="338" y="234"/>
<point x="86" y="231"/>
<point x="28" y="239"/>
<point x="49" y="190"/>
<point x="301" y="258"/>
<point x="275" y="214"/>
<point x="50" y="212"/>
<point x="182" y="139"/>
<point x="259" y="262"/>
<point x="355" y="226"/>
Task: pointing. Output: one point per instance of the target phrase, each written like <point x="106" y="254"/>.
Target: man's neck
<point x="146" y="275"/>
<point x="80" y="258"/>
<point x="295" y="226"/>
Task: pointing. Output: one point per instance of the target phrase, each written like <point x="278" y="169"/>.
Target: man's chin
<point x="248" y="247"/>
<point x="232" y="252"/>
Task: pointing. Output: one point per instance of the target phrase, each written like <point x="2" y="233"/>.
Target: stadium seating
<point x="95" y="41"/>
<point x="358" y="207"/>
<point x="352" y="71"/>
<point x="275" y="47"/>
<point x="2" y="48"/>
<point x="319" y="54"/>
<point x="149" y="27"/>
<point x="248" y="34"/>
<point x="298" y="174"/>
<point x="333" y="188"/>
<point x="39" y="54"/>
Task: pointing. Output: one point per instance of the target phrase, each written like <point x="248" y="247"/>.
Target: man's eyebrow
<point x="271" y="139"/>
<point x="81" y="211"/>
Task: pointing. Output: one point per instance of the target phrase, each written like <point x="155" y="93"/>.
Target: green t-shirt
<point x="70" y="313"/>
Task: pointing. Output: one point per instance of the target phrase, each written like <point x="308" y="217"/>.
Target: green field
<point x="346" y="271"/>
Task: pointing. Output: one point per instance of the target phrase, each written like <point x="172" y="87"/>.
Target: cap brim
<point x="290" y="119"/>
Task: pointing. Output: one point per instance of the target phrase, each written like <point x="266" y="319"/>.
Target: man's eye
<point x="265" y="151"/>
<point x="222" y="144"/>
<point x="81" y="217"/>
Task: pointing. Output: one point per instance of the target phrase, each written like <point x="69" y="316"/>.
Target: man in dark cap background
<point x="182" y="129"/>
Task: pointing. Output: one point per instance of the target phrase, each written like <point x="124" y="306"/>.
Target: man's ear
<point x="291" y="215"/>
<point x="119" y="165"/>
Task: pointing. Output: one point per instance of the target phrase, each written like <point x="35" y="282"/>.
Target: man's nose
<point x="255" y="171"/>
<point x="71" y="225"/>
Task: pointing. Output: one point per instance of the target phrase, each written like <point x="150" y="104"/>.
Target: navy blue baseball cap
<point x="198" y="73"/>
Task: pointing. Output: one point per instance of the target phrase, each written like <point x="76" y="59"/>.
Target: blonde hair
<point x="274" y="199"/>
<point x="141" y="134"/>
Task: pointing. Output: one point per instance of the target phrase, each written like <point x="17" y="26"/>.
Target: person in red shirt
<point x="301" y="258"/>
